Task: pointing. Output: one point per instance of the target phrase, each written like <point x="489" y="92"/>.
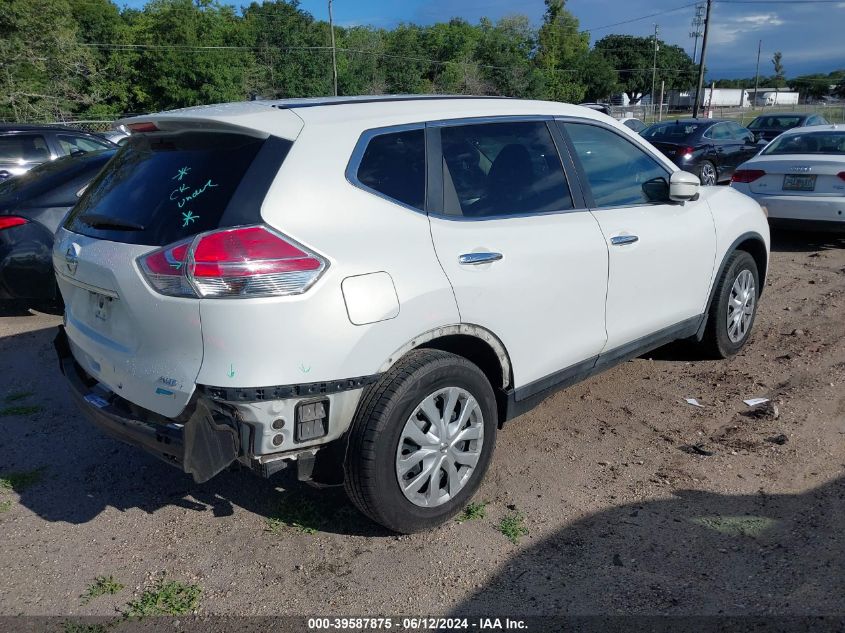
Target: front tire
<point x="734" y="307"/>
<point x="421" y="441"/>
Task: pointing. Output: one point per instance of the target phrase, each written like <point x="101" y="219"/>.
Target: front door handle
<point x="621" y="240"/>
<point x="474" y="259"/>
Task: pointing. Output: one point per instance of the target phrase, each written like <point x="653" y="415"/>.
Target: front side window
<point x="500" y="169"/>
<point x="393" y="164"/>
<point x="619" y="172"/>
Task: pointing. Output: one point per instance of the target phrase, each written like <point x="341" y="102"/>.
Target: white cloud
<point x="731" y="30"/>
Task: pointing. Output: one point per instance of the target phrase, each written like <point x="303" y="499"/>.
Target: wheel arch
<point x="473" y="342"/>
<point x="751" y="243"/>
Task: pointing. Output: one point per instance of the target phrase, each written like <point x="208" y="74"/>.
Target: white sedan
<point x="800" y="178"/>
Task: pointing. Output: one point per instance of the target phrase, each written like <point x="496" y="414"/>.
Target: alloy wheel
<point x="741" y="306"/>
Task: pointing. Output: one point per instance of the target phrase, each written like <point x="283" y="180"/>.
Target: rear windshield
<point x="669" y="131"/>
<point x="774" y="123"/>
<point x="51" y="175"/>
<point x="832" y="142"/>
<point x="161" y="189"/>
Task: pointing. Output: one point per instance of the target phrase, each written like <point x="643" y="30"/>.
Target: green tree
<point x="598" y="76"/>
<point x="504" y="54"/>
<point x="292" y="57"/>
<point x="44" y="70"/>
<point x="780" y="76"/>
<point x="189" y="59"/>
<point x="561" y="48"/>
<point x="633" y="59"/>
<point x="407" y="69"/>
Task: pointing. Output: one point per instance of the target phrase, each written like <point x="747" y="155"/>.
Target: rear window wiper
<point x="98" y="221"/>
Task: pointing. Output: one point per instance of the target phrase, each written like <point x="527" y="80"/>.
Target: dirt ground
<point x="634" y="501"/>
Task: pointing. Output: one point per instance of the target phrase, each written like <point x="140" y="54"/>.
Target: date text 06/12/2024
<point x="417" y="623"/>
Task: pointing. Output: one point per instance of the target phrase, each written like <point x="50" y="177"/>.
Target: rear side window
<point x="393" y="164"/>
<point x="76" y="144"/>
<point x="498" y="169"/>
<point x="160" y="189"/>
<point x="27" y="147"/>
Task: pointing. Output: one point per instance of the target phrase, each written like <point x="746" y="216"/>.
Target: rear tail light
<point x="251" y="261"/>
<point x="747" y="175"/>
<point x="841" y="175"/>
<point x="8" y="221"/>
<point x="142" y="127"/>
<point x="685" y="151"/>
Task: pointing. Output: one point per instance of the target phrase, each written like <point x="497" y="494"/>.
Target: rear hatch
<point x="798" y="175"/>
<point x="162" y="187"/>
<point x="669" y="149"/>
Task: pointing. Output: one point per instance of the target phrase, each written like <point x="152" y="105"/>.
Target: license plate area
<point x="101" y="306"/>
<point x="792" y="182"/>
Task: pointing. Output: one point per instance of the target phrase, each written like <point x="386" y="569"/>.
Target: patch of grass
<point x="20" y="410"/>
<point x="295" y="512"/>
<point x="19" y="481"/>
<point x="475" y="510"/>
<point x="70" y="626"/>
<point x="5" y="506"/>
<point x="101" y="586"/>
<point x="18" y="395"/>
<point x="513" y="527"/>
<point x="165" y="598"/>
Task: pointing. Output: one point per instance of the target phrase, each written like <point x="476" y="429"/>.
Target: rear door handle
<point x="474" y="259"/>
<point x="621" y="240"/>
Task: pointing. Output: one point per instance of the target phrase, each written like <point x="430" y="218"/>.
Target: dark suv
<point x="22" y="147"/>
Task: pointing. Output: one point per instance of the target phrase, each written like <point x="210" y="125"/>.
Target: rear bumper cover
<point x="203" y="445"/>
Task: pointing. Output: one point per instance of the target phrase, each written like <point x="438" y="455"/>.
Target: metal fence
<point x="834" y="112"/>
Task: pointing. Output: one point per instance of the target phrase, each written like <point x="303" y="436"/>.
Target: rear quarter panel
<point x="310" y="337"/>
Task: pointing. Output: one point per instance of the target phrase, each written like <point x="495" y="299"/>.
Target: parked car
<point x="598" y="107"/>
<point x="709" y="148"/>
<point x="769" y="126"/>
<point x="367" y="289"/>
<point x="800" y="178"/>
<point x="634" y="124"/>
<point x="22" y="147"/>
<point x="118" y="135"/>
<point x="32" y="207"/>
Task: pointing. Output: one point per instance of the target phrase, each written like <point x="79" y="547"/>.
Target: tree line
<point x="75" y="59"/>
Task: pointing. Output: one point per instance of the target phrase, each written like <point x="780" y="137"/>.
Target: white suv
<point x="370" y="287"/>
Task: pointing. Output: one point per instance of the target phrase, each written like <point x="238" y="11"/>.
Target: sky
<point x="808" y="33"/>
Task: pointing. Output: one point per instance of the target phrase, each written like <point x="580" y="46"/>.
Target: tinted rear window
<point x="166" y="187"/>
<point x="394" y="165"/>
<point x="832" y="143"/>
<point x="52" y="175"/>
<point x="670" y="132"/>
<point x="775" y="122"/>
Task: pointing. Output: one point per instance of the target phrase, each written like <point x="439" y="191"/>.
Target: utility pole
<point x="334" y="50"/>
<point x="700" y="84"/>
<point x="757" y="73"/>
<point x="654" y="72"/>
<point x="697" y="21"/>
<point x="660" y="111"/>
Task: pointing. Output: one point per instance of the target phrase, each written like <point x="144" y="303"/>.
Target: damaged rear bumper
<point x="202" y="444"/>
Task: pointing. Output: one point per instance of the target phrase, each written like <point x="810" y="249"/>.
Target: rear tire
<point x="734" y="307"/>
<point x="391" y="432"/>
<point x="707" y="173"/>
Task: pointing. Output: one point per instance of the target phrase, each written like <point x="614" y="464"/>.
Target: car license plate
<point x="792" y="182"/>
<point x="102" y="306"/>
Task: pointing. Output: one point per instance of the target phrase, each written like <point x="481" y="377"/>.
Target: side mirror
<point x="683" y="186"/>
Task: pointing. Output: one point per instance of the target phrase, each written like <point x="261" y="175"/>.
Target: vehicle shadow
<point x="695" y="553"/>
<point x="791" y="241"/>
<point x="70" y="472"/>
